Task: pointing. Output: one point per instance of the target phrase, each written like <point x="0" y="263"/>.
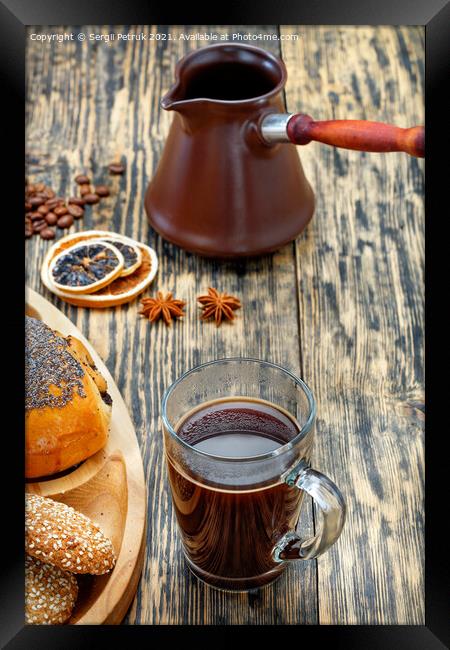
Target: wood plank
<point x="360" y="266"/>
<point x="88" y="103"/>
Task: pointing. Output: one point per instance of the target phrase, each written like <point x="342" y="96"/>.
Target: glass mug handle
<point x="329" y="499"/>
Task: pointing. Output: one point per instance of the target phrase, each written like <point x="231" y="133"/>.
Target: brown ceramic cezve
<point x="230" y="182"/>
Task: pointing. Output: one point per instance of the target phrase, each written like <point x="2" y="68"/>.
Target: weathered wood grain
<point x="87" y="104"/>
<point x="360" y="284"/>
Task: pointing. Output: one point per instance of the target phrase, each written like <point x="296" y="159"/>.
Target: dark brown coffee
<point x="229" y="534"/>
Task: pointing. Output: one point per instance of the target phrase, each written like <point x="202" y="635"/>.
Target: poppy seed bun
<point x="67" y="407"/>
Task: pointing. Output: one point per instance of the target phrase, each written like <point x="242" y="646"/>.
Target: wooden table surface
<point x="342" y="306"/>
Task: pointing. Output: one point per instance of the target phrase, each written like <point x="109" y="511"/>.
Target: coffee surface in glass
<point x="229" y="533"/>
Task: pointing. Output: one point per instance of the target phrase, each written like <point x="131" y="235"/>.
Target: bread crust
<point x="58" y="438"/>
<point x="50" y="593"/>
<point x="57" y="534"/>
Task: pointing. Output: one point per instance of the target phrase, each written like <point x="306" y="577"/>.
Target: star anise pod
<point x="219" y="306"/>
<point x="160" y="307"/>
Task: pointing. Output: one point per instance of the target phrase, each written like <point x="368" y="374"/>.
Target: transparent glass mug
<point x="238" y="514"/>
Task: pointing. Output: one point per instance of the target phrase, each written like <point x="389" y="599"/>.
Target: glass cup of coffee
<point x="238" y="437"/>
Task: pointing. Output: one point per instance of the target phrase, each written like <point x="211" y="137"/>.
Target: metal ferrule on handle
<point x="274" y="128"/>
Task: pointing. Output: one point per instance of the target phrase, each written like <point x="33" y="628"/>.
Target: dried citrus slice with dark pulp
<point x="132" y="256"/>
<point x="121" y="290"/>
<point x="86" y="267"/>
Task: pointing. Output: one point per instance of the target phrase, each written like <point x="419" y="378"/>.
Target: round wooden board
<point x="109" y="488"/>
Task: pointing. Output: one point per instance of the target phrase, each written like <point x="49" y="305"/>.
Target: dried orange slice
<point x="132" y="256"/>
<point x="121" y="290"/>
<point x="86" y="267"/>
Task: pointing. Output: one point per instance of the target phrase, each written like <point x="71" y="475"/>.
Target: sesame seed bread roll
<point x="50" y="593"/>
<point x="61" y="536"/>
<point x="67" y="406"/>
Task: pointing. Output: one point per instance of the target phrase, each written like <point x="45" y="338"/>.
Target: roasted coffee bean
<point x="43" y="209"/>
<point x="52" y="203"/>
<point x="91" y="198"/>
<point x="39" y="187"/>
<point x="28" y="206"/>
<point x="28" y="232"/>
<point x="36" y="200"/>
<point x="65" y="222"/>
<point x="39" y="225"/>
<point x="30" y="189"/>
<point x="76" y="211"/>
<point x="76" y="200"/>
<point x="47" y="233"/>
<point x="51" y="218"/>
<point x="116" y="168"/>
<point x="81" y="179"/>
<point x="56" y="200"/>
<point x="102" y="190"/>
<point x="49" y="193"/>
<point x="85" y="189"/>
<point x="35" y="216"/>
<point x="60" y="210"/>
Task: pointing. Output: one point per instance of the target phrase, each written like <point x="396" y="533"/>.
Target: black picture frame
<point x="15" y="15"/>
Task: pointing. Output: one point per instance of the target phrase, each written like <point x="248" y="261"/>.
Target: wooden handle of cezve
<point x="357" y="134"/>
